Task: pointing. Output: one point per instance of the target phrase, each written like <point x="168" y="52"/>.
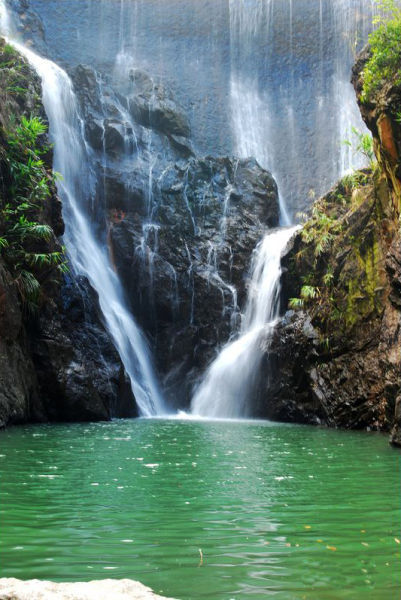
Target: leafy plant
<point x="296" y="303"/>
<point x="9" y="49"/>
<point x="25" y="243"/>
<point x="363" y="145"/>
<point x="353" y="180"/>
<point x="308" y="292"/>
<point x="328" y="277"/>
<point x="385" y="44"/>
<point x="320" y="230"/>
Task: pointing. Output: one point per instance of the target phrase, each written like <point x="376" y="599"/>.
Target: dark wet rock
<point x="395" y="437"/>
<point x="152" y="106"/>
<point x="19" y="399"/>
<point x="182" y="228"/>
<point x="78" y="369"/>
<point x="59" y="363"/>
<point x="182" y="144"/>
<point x="393" y="267"/>
<point x="94" y="132"/>
<point x="86" y="85"/>
<point x="344" y="369"/>
<point x="186" y="273"/>
<point x="348" y="372"/>
<point x="114" y="132"/>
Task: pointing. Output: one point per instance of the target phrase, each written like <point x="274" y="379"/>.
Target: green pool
<point x="217" y="510"/>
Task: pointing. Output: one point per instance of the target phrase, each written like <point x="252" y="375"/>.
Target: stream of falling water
<point x="250" y="105"/>
<point x="229" y="384"/>
<point x="288" y="111"/>
<point x="86" y="255"/>
<point x="277" y="98"/>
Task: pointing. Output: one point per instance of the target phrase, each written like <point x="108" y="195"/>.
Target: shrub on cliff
<point x="385" y="45"/>
<point x="25" y="243"/>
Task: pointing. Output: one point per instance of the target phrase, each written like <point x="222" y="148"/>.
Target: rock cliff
<point x="57" y="363"/>
<point x="336" y="353"/>
<point x="181" y="227"/>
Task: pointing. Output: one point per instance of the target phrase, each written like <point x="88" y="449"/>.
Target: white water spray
<point x="87" y="256"/>
<point x="230" y="381"/>
<point x="249" y="105"/>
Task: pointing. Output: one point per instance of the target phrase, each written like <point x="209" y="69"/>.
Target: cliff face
<point x="181" y="227"/>
<point x="336" y="354"/>
<point x="57" y="363"/>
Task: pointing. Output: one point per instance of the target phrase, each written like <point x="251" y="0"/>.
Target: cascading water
<point x="230" y="381"/>
<point x="87" y="257"/>
<point x="250" y="104"/>
<point x="259" y="78"/>
<point x="292" y="102"/>
<point x="284" y="67"/>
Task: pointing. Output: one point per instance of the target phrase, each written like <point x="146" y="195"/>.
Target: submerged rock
<point x="107" y="589"/>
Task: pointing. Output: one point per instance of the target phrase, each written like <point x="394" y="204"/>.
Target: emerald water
<point x="200" y="509"/>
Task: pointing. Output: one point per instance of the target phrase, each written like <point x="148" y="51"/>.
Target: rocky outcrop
<point x="336" y="357"/>
<point x="118" y="589"/>
<point x="19" y="399"/>
<point x="182" y="228"/>
<point x="59" y="363"/>
<point x="381" y="113"/>
<point x="186" y="274"/>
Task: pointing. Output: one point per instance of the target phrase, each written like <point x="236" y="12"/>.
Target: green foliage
<point x="353" y="181"/>
<point x="385" y="43"/>
<point x="296" y="303"/>
<point x="363" y="145"/>
<point x="9" y="50"/>
<point x="24" y="241"/>
<point x="308" y="292"/>
<point x="29" y="289"/>
<point x="320" y="230"/>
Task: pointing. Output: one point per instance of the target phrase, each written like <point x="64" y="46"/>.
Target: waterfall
<point x="292" y="103"/>
<point x="86" y="255"/>
<point x="230" y="381"/>
<point x="347" y="31"/>
<point x="5" y="25"/>
<point x="272" y="82"/>
<point x="250" y="104"/>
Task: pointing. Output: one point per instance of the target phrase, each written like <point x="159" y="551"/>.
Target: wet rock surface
<point x="79" y="372"/>
<point x="182" y="228"/>
<point x="59" y="363"/>
<point x="18" y="382"/>
<point x="337" y="359"/>
<point x="186" y="275"/>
